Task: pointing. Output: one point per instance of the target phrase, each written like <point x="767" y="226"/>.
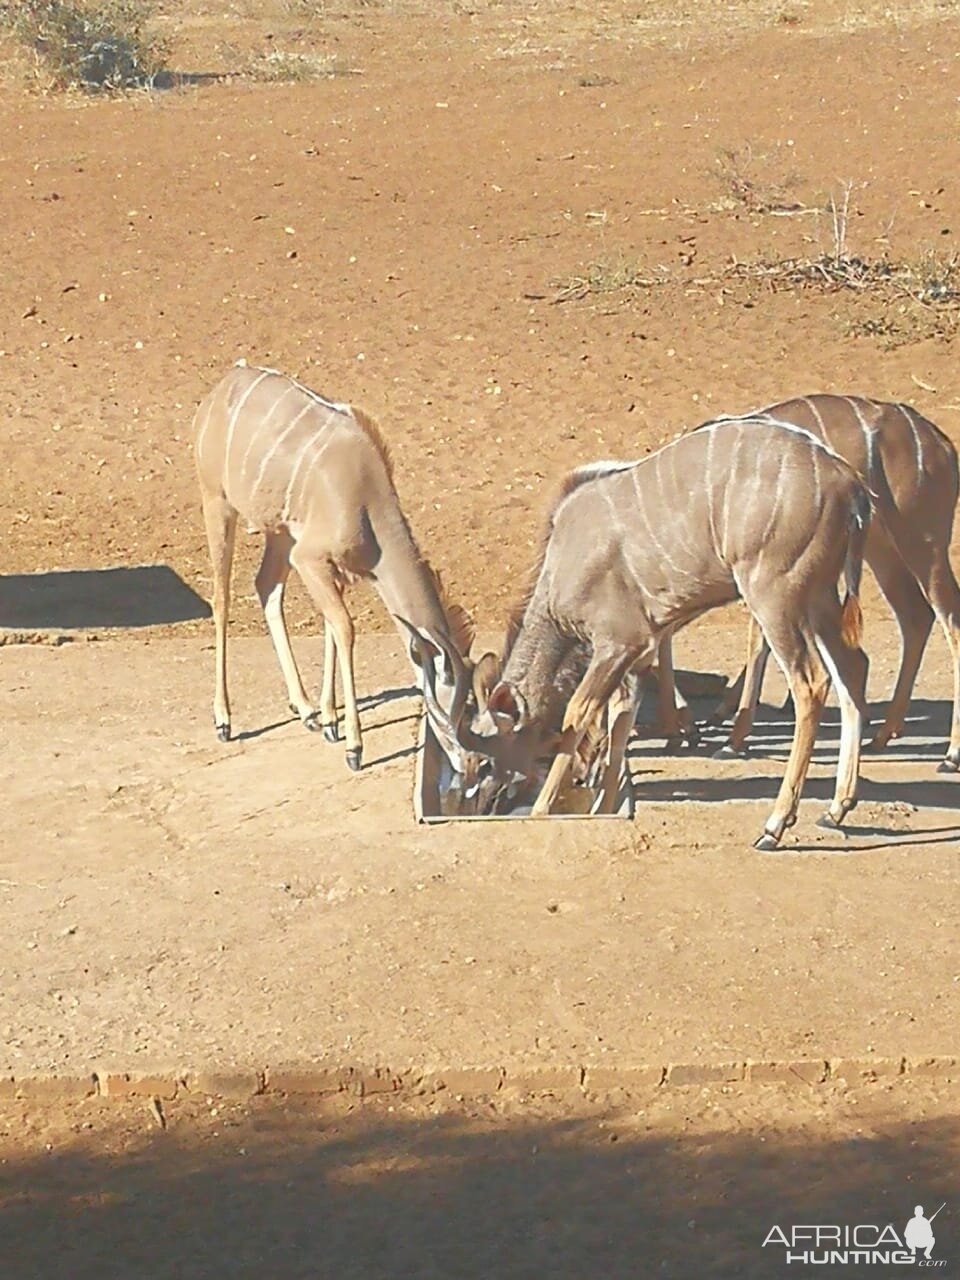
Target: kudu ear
<point x="486" y="673"/>
<point x="507" y="707"/>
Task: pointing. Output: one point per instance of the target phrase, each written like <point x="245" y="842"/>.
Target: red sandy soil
<point x="435" y="232"/>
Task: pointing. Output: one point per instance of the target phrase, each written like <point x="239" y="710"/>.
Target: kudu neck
<point x="535" y="659"/>
<point x="405" y="582"/>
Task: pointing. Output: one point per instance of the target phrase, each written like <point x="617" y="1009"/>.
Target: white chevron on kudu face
<point x="314" y="477"/>
<point x="744" y="506"/>
<point x="910" y="468"/>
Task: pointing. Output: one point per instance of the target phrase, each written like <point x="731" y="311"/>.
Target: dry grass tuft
<point x="909" y="300"/>
<point x="735" y="168"/>
<point x="280" y="67"/>
<point x="608" y="275"/>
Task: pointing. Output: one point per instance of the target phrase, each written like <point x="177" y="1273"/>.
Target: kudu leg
<point x="729" y="703"/>
<point x="944" y="595"/>
<point x="601" y="678"/>
<point x="621" y="713"/>
<point x="848" y="670"/>
<point x="809" y="685"/>
<point x="914" y="618"/>
<point x="675" y="720"/>
<point x="930" y="563"/>
<point x="951" y="761"/>
<point x="320" y="580"/>
<point x="751" y="682"/>
<point x="328" y="693"/>
<point x="270" y="582"/>
<point x="220" y="521"/>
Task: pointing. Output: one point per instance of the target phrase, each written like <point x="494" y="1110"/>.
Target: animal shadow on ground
<point x="687" y="775"/>
<point x="135" y="596"/>
<point x="290" y="1195"/>
<point x="368" y="703"/>
<point x="168" y="80"/>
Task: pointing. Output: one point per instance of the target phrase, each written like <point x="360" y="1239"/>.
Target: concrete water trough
<point x="432" y="803"/>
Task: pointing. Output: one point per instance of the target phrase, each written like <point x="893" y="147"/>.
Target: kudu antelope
<point x="314" y="477"/>
<point x="599" y="759"/>
<point x="910" y="467"/>
<point x="636" y="550"/>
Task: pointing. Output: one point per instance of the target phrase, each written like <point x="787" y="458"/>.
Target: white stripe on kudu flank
<point x="202" y="431"/>
<point x="265" y="460"/>
<point x="264" y="373"/>
<point x="917" y="442"/>
<point x="648" y="525"/>
<point x="707" y="476"/>
<point x="775" y="507"/>
<point x="868" y="439"/>
<point x="321" y="437"/>
<point x="259" y="428"/>
<point x="324" y="442"/>
<point x="816" y="475"/>
<point x="294" y="474"/>
<point x="729" y="488"/>
<point x="812" y="406"/>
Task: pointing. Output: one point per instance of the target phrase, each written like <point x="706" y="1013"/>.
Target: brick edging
<point x="320" y="1078"/>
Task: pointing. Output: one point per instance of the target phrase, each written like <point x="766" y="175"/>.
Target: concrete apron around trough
<point x="172" y="901"/>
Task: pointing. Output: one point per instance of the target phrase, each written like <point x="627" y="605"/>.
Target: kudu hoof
<point x="331" y="732"/>
<point x="830" y="823"/>
<point x="767" y="843"/>
<point x="949" y="765"/>
<point x="354" y="758"/>
<point x="223" y="732"/>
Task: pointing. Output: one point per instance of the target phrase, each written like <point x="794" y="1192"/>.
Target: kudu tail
<point x="851" y="615"/>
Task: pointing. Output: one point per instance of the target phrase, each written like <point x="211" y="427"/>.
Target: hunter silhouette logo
<point x="866" y="1243"/>
<point x="918" y="1234"/>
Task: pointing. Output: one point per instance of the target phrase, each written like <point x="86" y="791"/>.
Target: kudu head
<point x="446" y="677"/>
<point x="480" y="721"/>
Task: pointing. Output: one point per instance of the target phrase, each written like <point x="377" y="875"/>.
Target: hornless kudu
<point x="314" y="478"/>
<point x="636" y="550"/>
<point x="910" y="468"/>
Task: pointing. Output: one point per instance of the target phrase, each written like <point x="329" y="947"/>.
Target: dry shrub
<point x="93" y="45"/>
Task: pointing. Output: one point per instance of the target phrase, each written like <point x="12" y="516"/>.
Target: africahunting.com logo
<point x="866" y="1243"/>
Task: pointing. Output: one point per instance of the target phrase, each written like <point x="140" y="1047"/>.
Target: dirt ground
<point x="176" y="902"/>
<point x="523" y="239"/>
<point x="670" y="1185"/>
